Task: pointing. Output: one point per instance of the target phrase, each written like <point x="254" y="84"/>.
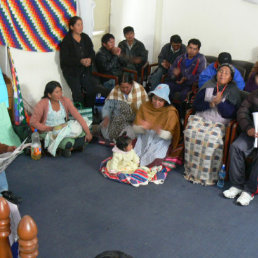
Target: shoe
<point x="11" y="197"/>
<point x="67" y="151"/>
<point x="232" y="192"/>
<point x="244" y="199"/>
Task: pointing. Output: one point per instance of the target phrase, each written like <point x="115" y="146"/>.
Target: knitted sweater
<point x="123" y="161"/>
<point x="39" y="116"/>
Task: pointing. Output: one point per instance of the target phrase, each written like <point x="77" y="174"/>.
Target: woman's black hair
<point x="72" y="21"/>
<point x="50" y="87"/>
<point x="151" y="96"/>
<point x="126" y="77"/>
<point x="123" y="141"/>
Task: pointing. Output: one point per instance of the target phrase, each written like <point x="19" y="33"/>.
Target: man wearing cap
<point x="211" y="71"/>
<point x="167" y="56"/>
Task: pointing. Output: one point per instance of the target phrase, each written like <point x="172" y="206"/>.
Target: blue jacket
<point x="211" y="70"/>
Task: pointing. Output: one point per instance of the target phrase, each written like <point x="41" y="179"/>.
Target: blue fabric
<point x="188" y="61"/>
<point x="3" y="91"/>
<point x="211" y="71"/>
<point x="3" y="182"/>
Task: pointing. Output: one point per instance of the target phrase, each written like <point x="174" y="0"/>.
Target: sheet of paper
<point x="7" y="158"/>
<point x="255" y="117"/>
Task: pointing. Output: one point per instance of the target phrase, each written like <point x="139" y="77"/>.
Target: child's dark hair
<point x="123" y="141"/>
<point x="50" y="87"/>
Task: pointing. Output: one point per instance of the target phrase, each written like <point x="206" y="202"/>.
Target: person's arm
<point x="106" y="64"/>
<point x="166" y="135"/>
<point x="239" y="80"/>
<point x="37" y="115"/>
<point x="90" y="48"/>
<point x="113" y="165"/>
<point x="244" y="114"/>
<point x="199" y="103"/>
<point x="141" y="52"/>
<point x="136" y="158"/>
<point x="67" y="54"/>
<point x="77" y="116"/>
<point x="162" y="55"/>
<point x="227" y="109"/>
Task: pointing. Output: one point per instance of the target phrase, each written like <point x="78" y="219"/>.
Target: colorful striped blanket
<point x="140" y="176"/>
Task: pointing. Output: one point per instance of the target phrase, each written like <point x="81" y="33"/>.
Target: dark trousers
<point x="83" y="88"/>
<point x="241" y="148"/>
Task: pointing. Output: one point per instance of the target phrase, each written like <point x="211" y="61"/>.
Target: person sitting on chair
<point x="133" y="50"/>
<point x="211" y="70"/>
<point x="109" y="60"/>
<point x="240" y="149"/>
<point x="186" y="70"/>
<point x="167" y="56"/>
<point x="216" y="105"/>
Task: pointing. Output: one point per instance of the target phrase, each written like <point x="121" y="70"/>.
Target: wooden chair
<point x="27" y="232"/>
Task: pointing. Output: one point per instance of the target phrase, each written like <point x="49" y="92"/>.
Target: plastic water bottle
<point x="222" y="175"/>
<point x="35" y="146"/>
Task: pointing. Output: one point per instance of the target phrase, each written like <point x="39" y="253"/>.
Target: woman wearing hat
<point x="156" y="126"/>
<point x="216" y="104"/>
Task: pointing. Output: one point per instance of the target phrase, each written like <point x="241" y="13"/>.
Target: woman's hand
<point x="86" y="62"/>
<point x="217" y="99"/>
<point x="145" y="125"/>
<point x="88" y="137"/>
<point x="251" y="132"/>
<point x="105" y="121"/>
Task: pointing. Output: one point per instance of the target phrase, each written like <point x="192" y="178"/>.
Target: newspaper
<point x="7" y="158"/>
<point x="255" y="116"/>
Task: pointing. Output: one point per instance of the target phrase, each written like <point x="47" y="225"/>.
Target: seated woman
<point x="252" y="83"/>
<point x="216" y="104"/>
<point x="51" y="114"/>
<point x="121" y="106"/>
<point x="156" y="126"/>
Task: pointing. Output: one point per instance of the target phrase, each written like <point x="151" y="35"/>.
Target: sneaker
<point x="244" y="199"/>
<point x="232" y="192"/>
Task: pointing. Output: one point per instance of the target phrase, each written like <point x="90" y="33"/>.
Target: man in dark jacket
<point x="109" y="59"/>
<point x="133" y="50"/>
<point x="167" y="56"/>
<point x="242" y="148"/>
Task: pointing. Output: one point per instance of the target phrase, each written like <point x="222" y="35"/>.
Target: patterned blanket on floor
<point x="140" y="176"/>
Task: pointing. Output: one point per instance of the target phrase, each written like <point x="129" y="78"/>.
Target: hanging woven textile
<point x="35" y="25"/>
<point x="19" y="113"/>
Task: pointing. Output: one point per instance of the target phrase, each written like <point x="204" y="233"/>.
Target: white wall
<point x="221" y="25"/>
<point x="140" y="14"/>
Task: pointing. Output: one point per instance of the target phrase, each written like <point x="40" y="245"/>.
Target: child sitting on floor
<point x="124" y="159"/>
